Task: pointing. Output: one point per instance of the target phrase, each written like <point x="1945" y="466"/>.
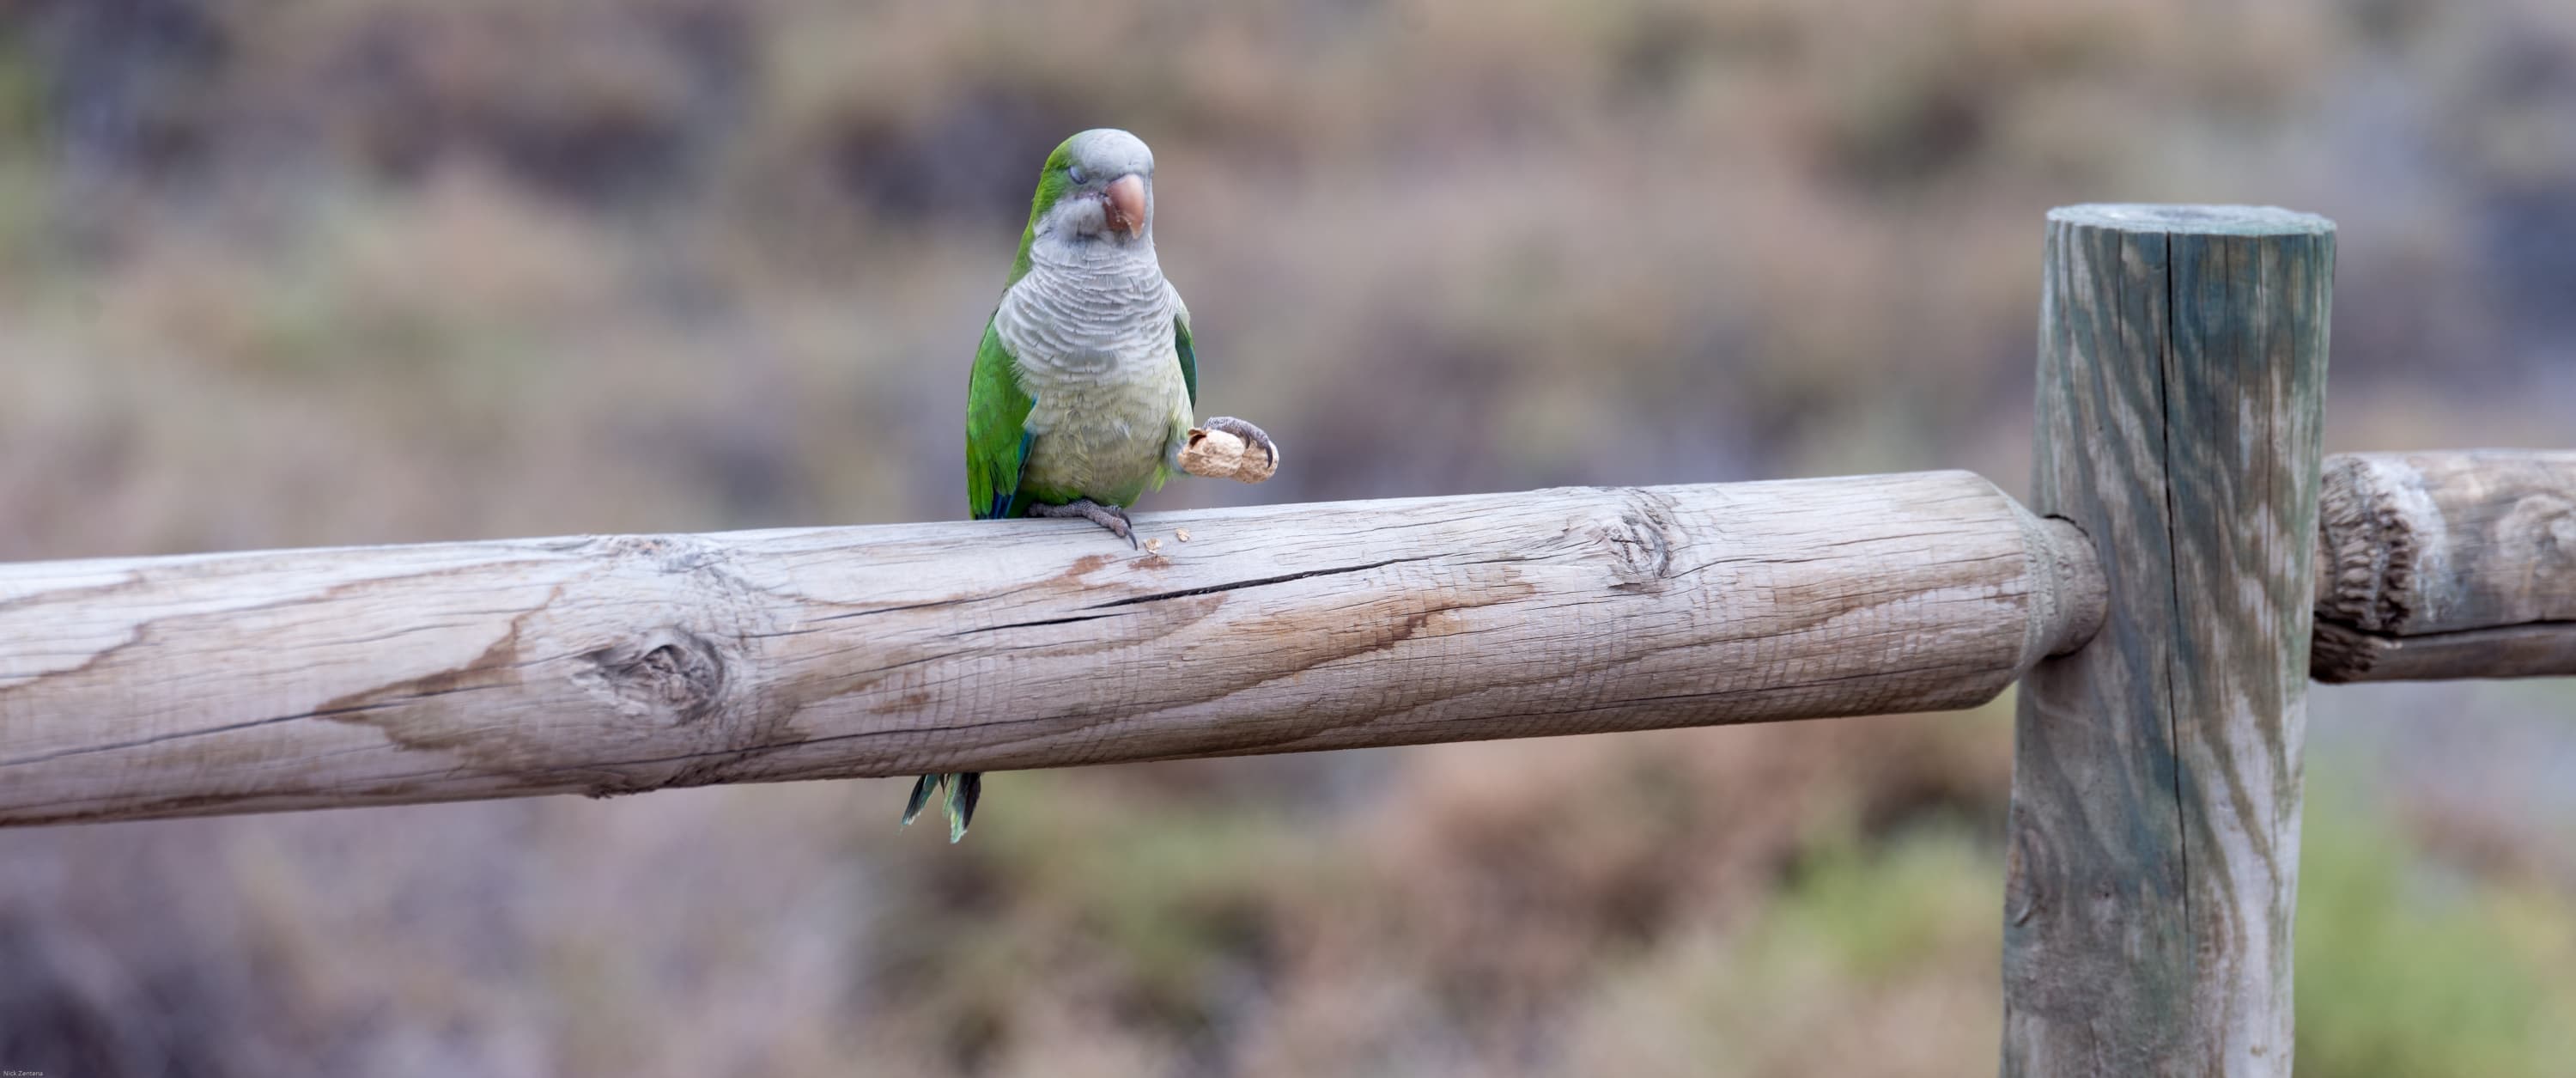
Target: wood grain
<point x="2545" y="649"/>
<point x="2155" y="812"/>
<point x="2447" y="565"/>
<point x="606" y="665"/>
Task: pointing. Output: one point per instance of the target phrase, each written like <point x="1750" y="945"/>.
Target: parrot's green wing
<point x="997" y="435"/>
<point x="1189" y="356"/>
<point x="997" y="444"/>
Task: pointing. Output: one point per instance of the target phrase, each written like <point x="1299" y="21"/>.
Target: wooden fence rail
<point x="2157" y="609"/>
<point x="299" y="679"/>
<point x="310" y="678"/>
<point x="2447" y="565"/>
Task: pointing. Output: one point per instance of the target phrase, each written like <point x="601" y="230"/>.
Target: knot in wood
<point x="676" y="674"/>
<point x="1639" y="542"/>
<point x="668" y="553"/>
<point x="2024" y="863"/>
<point x="2543" y="528"/>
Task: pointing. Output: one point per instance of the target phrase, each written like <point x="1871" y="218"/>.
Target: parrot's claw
<point x="1250" y="434"/>
<point x="1107" y="516"/>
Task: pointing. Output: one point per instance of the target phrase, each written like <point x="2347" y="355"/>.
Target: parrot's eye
<point x="1078" y="175"/>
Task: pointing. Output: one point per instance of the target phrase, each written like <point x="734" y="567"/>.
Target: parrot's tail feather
<point x="963" y="790"/>
<point x="961" y="802"/>
<point x="922" y="788"/>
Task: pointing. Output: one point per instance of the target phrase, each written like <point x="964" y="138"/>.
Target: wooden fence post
<point x="2155" y="808"/>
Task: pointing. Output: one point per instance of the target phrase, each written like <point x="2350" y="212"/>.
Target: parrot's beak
<point x="1126" y="198"/>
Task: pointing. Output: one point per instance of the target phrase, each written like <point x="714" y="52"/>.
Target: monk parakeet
<point x="1083" y="388"/>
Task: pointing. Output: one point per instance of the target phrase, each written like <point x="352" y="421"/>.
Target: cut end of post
<point x="2194" y="220"/>
<point x="2075" y="599"/>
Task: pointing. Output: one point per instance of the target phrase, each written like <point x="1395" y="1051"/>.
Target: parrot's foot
<point x="1107" y="516"/>
<point x="1252" y="436"/>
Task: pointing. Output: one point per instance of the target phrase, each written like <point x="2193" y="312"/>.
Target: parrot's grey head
<point x="1098" y="187"/>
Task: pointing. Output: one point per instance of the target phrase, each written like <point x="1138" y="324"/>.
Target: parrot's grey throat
<point x="1089" y="306"/>
<point x="1094" y="300"/>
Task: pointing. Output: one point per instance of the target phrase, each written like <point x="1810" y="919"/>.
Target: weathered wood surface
<point x="2447" y="565"/>
<point x="2155" y="812"/>
<point x="2545" y="649"/>
<point x="312" y="678"/>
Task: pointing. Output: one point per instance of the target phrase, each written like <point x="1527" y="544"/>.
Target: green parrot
<point x="1084" y="385"/>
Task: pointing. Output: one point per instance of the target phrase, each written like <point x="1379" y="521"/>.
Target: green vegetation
<point x="1878" y="911"/>
<point x="2408" y="966"/>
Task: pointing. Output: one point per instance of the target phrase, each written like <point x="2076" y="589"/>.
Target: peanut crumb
<point x="1182" y="534"/>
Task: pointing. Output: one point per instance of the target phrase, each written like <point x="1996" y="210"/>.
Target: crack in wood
<point x="1258" y="582"/>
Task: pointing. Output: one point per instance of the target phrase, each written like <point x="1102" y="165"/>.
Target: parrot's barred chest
<point x="1093" y="346"/>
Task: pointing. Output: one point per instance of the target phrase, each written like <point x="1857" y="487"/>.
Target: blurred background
<point x="365" y="271"/>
